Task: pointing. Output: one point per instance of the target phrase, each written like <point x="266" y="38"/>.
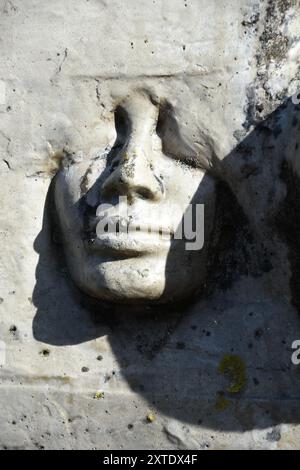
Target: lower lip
<point x="129" y="244"/>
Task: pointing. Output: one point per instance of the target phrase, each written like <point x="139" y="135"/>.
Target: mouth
<point x="124" y="237"/>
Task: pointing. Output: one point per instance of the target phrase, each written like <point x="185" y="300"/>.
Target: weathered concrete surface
<point x="231" y="65"/>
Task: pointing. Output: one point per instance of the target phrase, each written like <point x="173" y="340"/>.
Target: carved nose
<point x="134" y="175"/>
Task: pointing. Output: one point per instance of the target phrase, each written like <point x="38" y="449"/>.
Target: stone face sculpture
<point x="159" y="174"/>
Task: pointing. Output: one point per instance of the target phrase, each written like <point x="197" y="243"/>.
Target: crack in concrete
<point x="7" y="163"/>
<point x="63" y="61"/>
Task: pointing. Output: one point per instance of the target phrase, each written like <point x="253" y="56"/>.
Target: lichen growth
<point x="221" y="402"/>
<point x="99" y="395"/>
<point x="150" y="417"/>
<point x="233" y="367"/>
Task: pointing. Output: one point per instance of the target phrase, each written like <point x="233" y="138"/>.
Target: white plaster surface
<point x="62" y="66"/>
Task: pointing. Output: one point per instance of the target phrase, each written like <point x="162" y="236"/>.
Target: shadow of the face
<point x="61" y="317"/>
<point x="172" y="355"/>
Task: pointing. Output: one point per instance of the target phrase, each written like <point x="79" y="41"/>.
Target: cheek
<point x="66" y="194"/>
<point x="68" y="184"/>
<point x="188" y="186"/>
<point x="79" y="180"/>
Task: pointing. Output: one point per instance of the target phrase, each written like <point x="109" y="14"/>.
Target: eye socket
<point x="122" y="124"/>
<point x="173" y="143"/>
<point x="168" y="131"/>
<point x="166" y="122"/>
<point x="123" y="127"/>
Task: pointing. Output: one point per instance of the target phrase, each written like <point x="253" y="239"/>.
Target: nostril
<point x="144" y="193"/>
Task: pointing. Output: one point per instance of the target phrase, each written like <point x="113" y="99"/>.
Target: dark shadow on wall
<point x="61" y="317"/>
<point x="222" y="360"/>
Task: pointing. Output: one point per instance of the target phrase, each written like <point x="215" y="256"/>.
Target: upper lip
<point x="117" y="224"/>
<point x="129" y="243"/>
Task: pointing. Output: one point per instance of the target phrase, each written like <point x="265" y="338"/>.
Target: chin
<point x="120" y="292"/>
<point x="128" y="281"/>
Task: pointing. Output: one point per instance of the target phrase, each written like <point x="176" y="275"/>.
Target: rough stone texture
<point x="216" y="373"/>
